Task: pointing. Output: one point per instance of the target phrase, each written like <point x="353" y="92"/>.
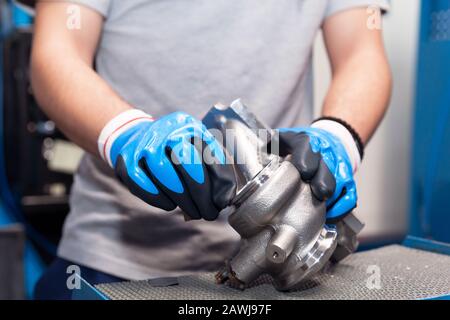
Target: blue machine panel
<point x="430" y="191"/>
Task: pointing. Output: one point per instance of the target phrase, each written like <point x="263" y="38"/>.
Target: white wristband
<point x="115" y="127"/>
<point x="346" y="138"/>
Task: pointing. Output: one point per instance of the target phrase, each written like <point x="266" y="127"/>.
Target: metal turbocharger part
<point x="282" y="225"/>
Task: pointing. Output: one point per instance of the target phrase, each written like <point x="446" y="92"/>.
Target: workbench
<point x="417" y="269"/>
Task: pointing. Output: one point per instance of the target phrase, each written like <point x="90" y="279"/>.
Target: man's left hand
<point x="326" y="155"/>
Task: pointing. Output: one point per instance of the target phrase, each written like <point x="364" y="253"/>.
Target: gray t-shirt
<point x="165" y="56"/>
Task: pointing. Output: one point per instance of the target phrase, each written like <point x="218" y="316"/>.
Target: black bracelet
<point x="355" y="135"/>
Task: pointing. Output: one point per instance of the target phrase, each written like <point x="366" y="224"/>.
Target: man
<point x="128" y="83"/>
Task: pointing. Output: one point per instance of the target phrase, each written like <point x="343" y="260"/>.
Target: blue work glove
<point x="326" y="154"/>
<point x="169" y="162"/>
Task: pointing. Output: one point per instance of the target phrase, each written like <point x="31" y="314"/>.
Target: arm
<point x="328" y="153"/>
<point x="361" y="83"/>
<point x="92" y="115"/>
<point x="63" y="79"/>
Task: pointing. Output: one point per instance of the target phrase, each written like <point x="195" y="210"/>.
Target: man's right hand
<point x="82" y="109"/>
<point x="169" y="162"/>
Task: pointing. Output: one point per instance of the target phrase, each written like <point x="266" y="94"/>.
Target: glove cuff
<point x="115" y="127"/>
<point x="348" y="137"/>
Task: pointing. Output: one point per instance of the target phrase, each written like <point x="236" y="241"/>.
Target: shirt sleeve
<point x="335" y="6"/>
<point x="101" y="6"/>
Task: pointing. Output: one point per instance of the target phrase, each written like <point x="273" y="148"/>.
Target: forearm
<point x="75" y="97"/>
<point x="359" y="93"/>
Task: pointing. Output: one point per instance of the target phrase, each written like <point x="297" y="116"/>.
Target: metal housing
<point x="282" y="225"/>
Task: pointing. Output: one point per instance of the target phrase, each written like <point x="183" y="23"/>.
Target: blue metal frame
<point x="21" y="18"/>
<point x="430" y="170"/>
<point x="427" y="245"/>
<point x="87" y="292"/>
